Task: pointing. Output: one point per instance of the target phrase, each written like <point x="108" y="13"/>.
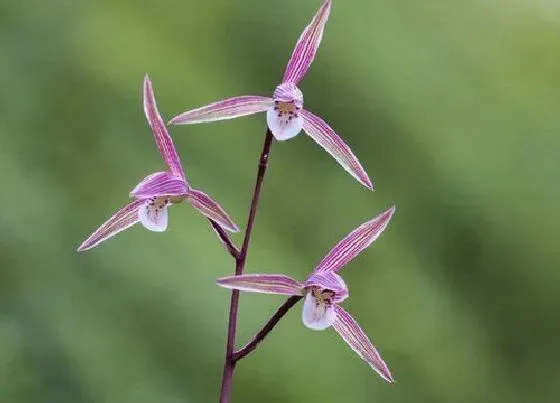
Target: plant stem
<point x="229" y="364"/>
<point x="226" y="240"/>
<point x="266" y="329"/>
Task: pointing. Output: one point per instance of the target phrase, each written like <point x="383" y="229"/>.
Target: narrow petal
<point x="355" y="337"/>
<point x="230" y="108"/>
<point x="262" y="283"/>
<point x="317" y="314"/>
<point x="211" y="209"/>
<point x="125" y="218"/>
<point x="328" y="280"/>
<point x="284" y="126"/>
<point x="163" y="139"/>
<point x="307" y="45"/>
<point x="160" y="184"/>
<point x="153" y="214"/>
<point x="355" y="242"/>
<point x="325" y="136"/>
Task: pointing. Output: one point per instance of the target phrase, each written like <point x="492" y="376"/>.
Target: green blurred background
<point x="453" y="109"/>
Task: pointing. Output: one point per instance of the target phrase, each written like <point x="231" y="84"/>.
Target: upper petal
<point x="160" y="184"/>
<point x="328" y="280"/>
<point x="125" y="218"/>
<point x="225" y="109"/>
<point x="317" y="314"/>
<point x="153" y="213"/>
<point x="355" y="337"/>
<point x="326" y="137"/>
<point x="355" y="242"/>
<point x="211" y="209"/>
<point x="262" y="283"/>
<point x="307" y="45"/>
<point x="162" y="137"/>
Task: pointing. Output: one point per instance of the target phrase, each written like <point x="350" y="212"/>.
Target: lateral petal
<point x="262" y="283"/>
<point x="125" y="218"/>
<point x="355" y="242"/>
<point x="326" y="137"/>
<point x="211" y="209"/>
<point x="307" y="45"/>
<point x="161" y="135"/>
<point x="230" y="108"/>
<point x="358" y="341"/>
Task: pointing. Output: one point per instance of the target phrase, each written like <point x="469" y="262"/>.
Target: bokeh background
<point x="452" y="107"/>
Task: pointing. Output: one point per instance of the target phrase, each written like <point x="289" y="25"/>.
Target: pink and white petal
<point x="329" y="281"/>
<point x="317" y="314"/>
<point x="355" y="242"/>
<point x="123" y="219"/>
<point x="163" y="139"/>
<point x="160" y="184"/>
<point x="230" y="108"/>
<point x="153" y="214"/>
<point x="262" y="283"/>
<point x="307" y="45"/>
<point x="211" y="209"/>
<point x="283" y="127"/>
<point x="355" y="337"/>
<point x="326" y="137"/>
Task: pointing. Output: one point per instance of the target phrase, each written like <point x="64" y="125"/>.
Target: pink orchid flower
<point x="284" y="111"/>
<point x="324" y="290"/>
<point x="158" y="191"/>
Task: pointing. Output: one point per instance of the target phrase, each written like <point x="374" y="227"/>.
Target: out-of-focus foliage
<point x="452" y="107"/>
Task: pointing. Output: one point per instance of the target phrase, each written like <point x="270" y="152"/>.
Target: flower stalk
<point x="241" y="257"/>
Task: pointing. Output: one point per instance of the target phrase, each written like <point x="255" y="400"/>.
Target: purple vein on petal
<point x="230" y="108"/>
<point x="307" y="45"/>
<point x="325" y="136"/>
<point x="355" y="242"/>
<point x="355" y="337"/>
<point x="163" y="139"/>
<point x="262" y="283"/>
<point x="211" y="209"/>
<point x="125" y="218"/>
<point x="160" y="184"/>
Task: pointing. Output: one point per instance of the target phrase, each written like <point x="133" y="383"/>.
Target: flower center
<point x="158" y="203"/>
<point x="287" y="110"/>
<point x="322" y="296"/>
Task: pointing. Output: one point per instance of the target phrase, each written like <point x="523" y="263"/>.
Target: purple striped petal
<point x="159" y="184"/>
<point x="325" y="136"/>
<point x="230" y="108"/>
<point x="211" y="209"/>
<point x="355" y="242"/>
<point x="327" y="280"/>
<point x="162" y="137"/>
<point x="355" y="337"/>
<point x="263" y="283"/>
<point x="121" y="220"/>
<point x="307" y="45"/>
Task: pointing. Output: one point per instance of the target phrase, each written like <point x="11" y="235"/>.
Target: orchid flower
<point x="324" y="290"/>
<point x="284" y="111"/>
<point x="158" y="191"/>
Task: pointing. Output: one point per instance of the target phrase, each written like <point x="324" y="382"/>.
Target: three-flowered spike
<point x="156" y="192"/>
<point x="285" y="115"/>
<point x="324" y="290"/>
<point x="307" y="45"/>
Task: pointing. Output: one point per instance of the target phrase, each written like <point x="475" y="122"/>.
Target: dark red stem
<point x="267" y="328"/>
<point x="229" y="364"/>
<point x="226" y="240"/>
